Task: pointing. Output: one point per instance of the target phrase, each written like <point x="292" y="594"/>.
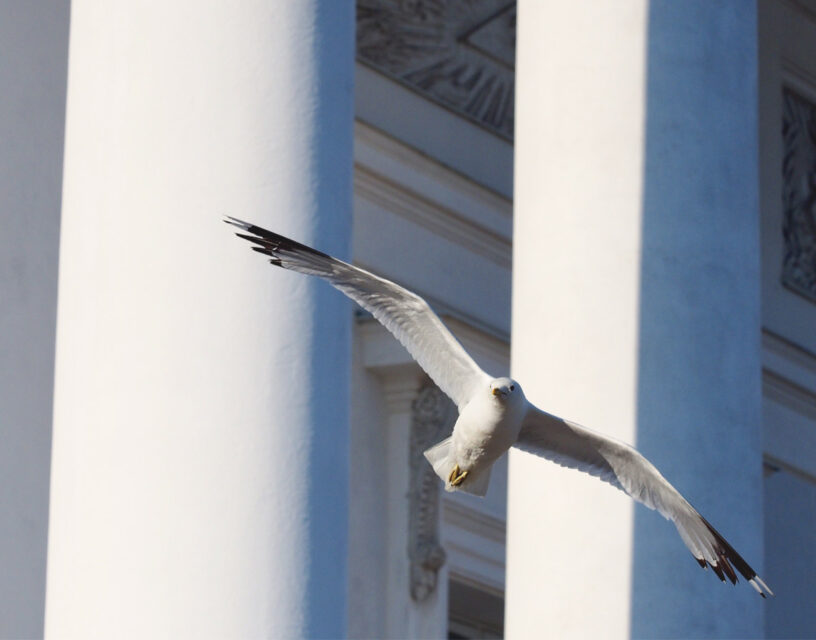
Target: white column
<point x="33" y="63"/>
<point x="636" y="309"/>
<point x="199" y="484"/>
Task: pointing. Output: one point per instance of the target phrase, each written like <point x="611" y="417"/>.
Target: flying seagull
<point x="493" y="412"/>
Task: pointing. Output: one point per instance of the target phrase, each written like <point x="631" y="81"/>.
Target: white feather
<point x="577" y="447"/>
<point x="407" y="316"/>
<point x="490" y="422"/>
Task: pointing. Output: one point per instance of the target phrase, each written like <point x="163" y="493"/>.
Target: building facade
<point x="624" y="189"/>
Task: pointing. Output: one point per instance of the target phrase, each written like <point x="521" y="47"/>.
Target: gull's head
<point x="505" y="388"/>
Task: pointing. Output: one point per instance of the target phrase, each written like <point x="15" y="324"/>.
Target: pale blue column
<point x="699" y="355"/>
<point x="200" y="458"/>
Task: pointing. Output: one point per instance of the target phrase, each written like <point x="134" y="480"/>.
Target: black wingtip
<point x="728" y="569"/>
<point x="726" y="557"/>
<point x="257" y="240"/>
<point x="273" y="240"/>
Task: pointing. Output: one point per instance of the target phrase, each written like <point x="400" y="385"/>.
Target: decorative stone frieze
<point x="432" y="420"/>
<point x="460" y="53"/>
<point x="799" y="194"/>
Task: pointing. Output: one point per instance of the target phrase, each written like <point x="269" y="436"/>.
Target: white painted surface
<point x="434" y="130"/>
<point x="579" y="163"/>
<point x="636" y="309"/>
<point x="199" y="484"/>
<point x="33" y="64"/>
<point x="432" y="230"/>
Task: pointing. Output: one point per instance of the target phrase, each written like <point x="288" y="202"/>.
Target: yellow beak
<point x="496" y="391"/>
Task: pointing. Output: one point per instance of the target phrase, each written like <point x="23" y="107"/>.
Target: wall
<point x="787" y="40"/>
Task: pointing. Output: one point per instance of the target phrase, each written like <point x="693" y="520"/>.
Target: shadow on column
<point x="699" y="368"/>
<point x="33" y="69"/>
<point x="332" y="153"/>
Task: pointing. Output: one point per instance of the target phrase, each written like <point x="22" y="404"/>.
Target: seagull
<point x="494" y="414"/>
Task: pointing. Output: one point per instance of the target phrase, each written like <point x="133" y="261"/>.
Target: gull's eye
<point x="512" y="387"/>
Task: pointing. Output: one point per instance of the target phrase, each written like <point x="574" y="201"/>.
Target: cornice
<point x="477" y="522"/>
<point x="415" y="187"/>
<point x="422" y="212"/>
<point x="789" y="371"/>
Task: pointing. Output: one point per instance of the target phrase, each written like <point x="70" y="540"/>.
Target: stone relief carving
<point x="799" y="194"/>
<point x="460" y="53"/>
<point x="433" y="418"/>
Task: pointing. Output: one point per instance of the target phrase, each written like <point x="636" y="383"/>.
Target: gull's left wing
<point x="406" y="315"/>
<point x="577" y="447"/>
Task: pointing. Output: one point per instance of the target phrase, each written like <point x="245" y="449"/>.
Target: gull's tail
<point x="440" y="458"/>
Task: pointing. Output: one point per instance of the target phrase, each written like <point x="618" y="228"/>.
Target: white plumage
<point x="493" y="412"/>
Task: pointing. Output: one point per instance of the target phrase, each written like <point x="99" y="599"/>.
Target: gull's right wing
<point x="407" y="316"/>
<point x="577" y="447"/>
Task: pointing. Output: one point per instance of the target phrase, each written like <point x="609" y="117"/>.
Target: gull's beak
<point x="496" y="391"/>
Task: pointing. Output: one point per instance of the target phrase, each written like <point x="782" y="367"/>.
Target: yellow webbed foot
<point x="457" y="476"/>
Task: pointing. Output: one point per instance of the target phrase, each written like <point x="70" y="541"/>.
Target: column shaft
<point x="635" y="308"/>
<point x="199" y="483"/>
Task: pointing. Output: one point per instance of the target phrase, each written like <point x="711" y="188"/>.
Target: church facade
<point x="614" y="202"/>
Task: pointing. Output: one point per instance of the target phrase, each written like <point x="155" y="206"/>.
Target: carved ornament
<point x="799" y="194"/>
<point x="460" y="53"/>
<point x="432" y="420"/>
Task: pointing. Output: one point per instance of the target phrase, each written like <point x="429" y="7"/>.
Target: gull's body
<point x="494" y="413"/>
<point x="488" y="426"/>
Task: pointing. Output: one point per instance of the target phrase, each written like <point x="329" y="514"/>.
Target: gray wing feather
<point x="406" y="315"/>
<point x="577" y="447"/>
